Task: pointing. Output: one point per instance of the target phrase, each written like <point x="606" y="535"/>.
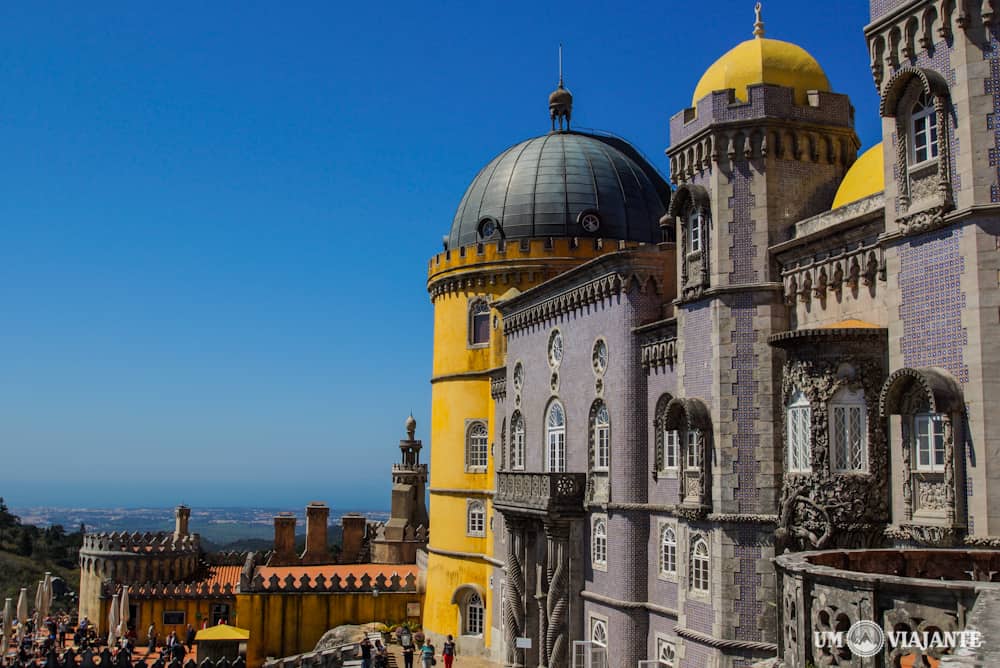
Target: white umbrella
<point x="113" y="620"/>
<point x="125" y="613"/>
<point x="47" y="601"/>
<point x="8" y="614"/>
<point x="39" y="613"/>
<point x="22" y="614"/>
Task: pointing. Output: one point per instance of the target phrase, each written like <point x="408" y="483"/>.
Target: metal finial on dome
<point x="560" y="101"/>
<point x="758" y="26"/>
<point x="411" y="426"/>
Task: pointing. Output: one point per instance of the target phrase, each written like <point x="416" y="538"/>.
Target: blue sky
<point x="215" y="220"/>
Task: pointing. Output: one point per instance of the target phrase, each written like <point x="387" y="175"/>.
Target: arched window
<point x="475" y="513"/>
<point x="555" y="438"/>
<point x="517" y="441"/>
<point x="928" y="429"/>
<point x="849" y="431"/>
<point x="599" y="632"/>
<point x="666" y="653"/>
<point x="602" y="438"/>
<point x="668" y="550"/>
<point x="798" y="427"/>
<point x="479" y="322"/>
<point x="923" y="127"/>
<point x="699" y="564"/>
<point x="599" y="538"/>
<point x="474" y="615"/>
<point x="476" y="446"/>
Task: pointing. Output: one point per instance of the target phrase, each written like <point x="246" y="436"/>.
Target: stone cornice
<point x="729" y="289"/>
<point x="677" y="511"/>
<point x="486" y="374"/>
<point x="465" y="555"/>
<point x="627" y="605"/>
<point x="458" y="491"/>
<point x="725" y="644"/>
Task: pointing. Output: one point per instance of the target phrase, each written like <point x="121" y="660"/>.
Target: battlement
<point x="500" y="252"/>
<point x="160" y="543"/>
<point x="148" y="590"/>
<point x="335" y="584"/>
<point x="766" y="101"/>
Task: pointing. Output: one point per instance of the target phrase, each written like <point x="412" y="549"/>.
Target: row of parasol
<point x="43" y="605"/>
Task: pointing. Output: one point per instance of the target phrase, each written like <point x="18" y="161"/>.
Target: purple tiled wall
<point x="748" y="608"/>
<point x="746" y="440"/>
<point x="698" y="352"/>
<point x="743" y="252"/>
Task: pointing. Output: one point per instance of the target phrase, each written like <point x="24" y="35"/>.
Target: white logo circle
<point x="865" y="638"/>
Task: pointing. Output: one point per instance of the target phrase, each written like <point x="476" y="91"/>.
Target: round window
<point x="555" y="348"/>
<point x="590" y="222"/>
<point x="518" y="377"/>
<point x="600" y="356"/>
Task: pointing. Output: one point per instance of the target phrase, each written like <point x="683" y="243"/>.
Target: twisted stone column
<point x="513" y="603"/>
<point x="540" y="601"/>
<point x="557" y="603"/>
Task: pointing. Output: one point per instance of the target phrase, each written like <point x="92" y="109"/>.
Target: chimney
<point x="284" y="541"/>
<point x="317" y="548"/>
<point x="181" y="516"/>
<point x="354" y="526"/>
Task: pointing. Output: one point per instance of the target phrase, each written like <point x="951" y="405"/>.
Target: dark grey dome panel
<point x="539" y="188"/>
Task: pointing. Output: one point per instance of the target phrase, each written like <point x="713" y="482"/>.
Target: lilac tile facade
<point x="743" y="252"/>
<point x="746" y="439"/>
<point x="699" y="356"/>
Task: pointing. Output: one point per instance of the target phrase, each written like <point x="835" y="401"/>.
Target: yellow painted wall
<point x="284" y="625"/>
<point x="196" y="610"/>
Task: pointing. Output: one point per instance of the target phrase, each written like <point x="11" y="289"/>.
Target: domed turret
<point x="564" y="184"/>
<point x="560" y="101"/>
<point x="865" y="178"/>
<point x="762" y="60"/>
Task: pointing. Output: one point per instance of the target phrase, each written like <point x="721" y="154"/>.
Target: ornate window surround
<point x="924" y="189"/>
<point x="691" y="416"/>
<point x="699" y="566"/>
<point x="476" y="454"/>
<point x="667" y="538"/>
<point x="930" y="498"/>
<point x="847" y="399"/>
<point x="479" y="308"/>
<point x="692" y="201"/>
<point x="660" y="459"/>
<point x="798" y="409"/>
<point x="475" y="518"/>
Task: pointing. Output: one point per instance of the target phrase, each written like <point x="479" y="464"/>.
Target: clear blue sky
<point x="215" y="218"/>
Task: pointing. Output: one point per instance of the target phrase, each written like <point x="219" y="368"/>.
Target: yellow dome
<point x="763" y="60"/>
<point x="865" y="177"/>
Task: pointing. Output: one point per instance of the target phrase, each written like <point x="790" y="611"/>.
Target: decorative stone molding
<point x="687" y="416"/>
<point x="552" y="493"/>
<point x="824" y="507"/>
<point x="591" y="292"/>
<point x="853" y="266"/>
<point x="160" y="590"/>
<point x="334" y="584"/>
<point x="725" y="643"/>
<point x="913" y="30"/>
<point x="691" y="200"/>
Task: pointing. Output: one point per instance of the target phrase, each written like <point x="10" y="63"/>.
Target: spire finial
<point x="560" y="66"/>
<point x="758" y="26"/>
<point x="560" y="101"/>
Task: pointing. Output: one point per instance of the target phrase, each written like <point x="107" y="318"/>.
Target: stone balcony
<point x="540" y="494"/>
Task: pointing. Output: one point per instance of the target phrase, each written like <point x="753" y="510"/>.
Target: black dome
<point x="540" y="188"/>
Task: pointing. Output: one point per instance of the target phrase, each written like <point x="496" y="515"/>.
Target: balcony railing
<point x="541" y="492"/>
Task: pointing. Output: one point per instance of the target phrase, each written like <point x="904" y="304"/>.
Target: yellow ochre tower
<point x="541" y="207"/>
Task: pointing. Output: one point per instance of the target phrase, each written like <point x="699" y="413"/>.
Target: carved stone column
<point x="514" y="594"/>
<point x="557" y="603"/>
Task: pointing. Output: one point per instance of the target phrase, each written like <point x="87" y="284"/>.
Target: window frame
<point x="700" y="566"/>
<point x="602" y="433"/>
<point x="664" y="643"/>
<point x="596" y="623"/>
<point x="477" y="454"/>
<point x="517" y="439"/>
<point x="693" y="455"/>
<point x="923" y="120"/>
<point x="667" y="551"/>
<point x="935" y="444"/>
<point x="599" y="542"/>
<point x="555" y="439"/>
<point x="475" y="516"/>
<point x="798" y="452"/>
<point x="671" y="449"/>
<point x="479" y="308"/>
<point x="695" y="225"/>
<point x="842" y="446"/>
<point x="479" y="616"/>
<point x="182" y="613"/>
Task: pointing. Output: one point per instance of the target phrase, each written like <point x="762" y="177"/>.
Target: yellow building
<point x="541" y="207"/>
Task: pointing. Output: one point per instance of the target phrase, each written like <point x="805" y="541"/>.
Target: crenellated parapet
<point x="335" y="584"/>
<point x="519" y="263"/>
<point x="141" y="543"/>
<point x="167" y="590"/>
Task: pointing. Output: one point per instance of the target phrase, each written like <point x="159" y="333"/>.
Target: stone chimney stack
<point x="317" y="548"/>
<point x="181" y="516"/>
<point x="284" y="541"/>
<point x="354" y="526"/>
